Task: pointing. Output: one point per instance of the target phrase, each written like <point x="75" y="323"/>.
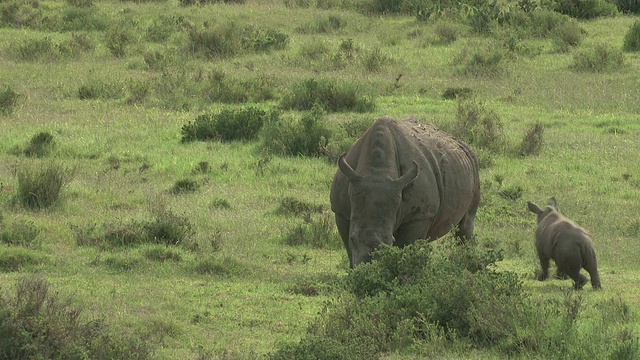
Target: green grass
<point x="232" y="287"/>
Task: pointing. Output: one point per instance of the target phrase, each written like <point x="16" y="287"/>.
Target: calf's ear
<point x="553" y="203"/>
<point x="533" y="207"/>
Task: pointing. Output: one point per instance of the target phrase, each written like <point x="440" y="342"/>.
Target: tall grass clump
<point x="567" y="36"/>
<point x="8" y="100"/>
<point x="478" y="125"/>
<point x="481" y="61"/>
<point x="602" y="57"/>
<point x="40" y="184"/>
<point x="38" y="323"/>
<point x="330" y="94"/>
<point x="228" y="124"/>
<point x="19" y="233"/>
<point x="223" y="40"/>
<point x="35" y="49"/>
<point x="219" y="87"/>
<point x="532" y="141"/>
<point x="264" y="40"/>
<point x="119" y="37"/>
<point x="632" y="38"/>
<point x="84" y="18"/>
<point x="293" y="136"/>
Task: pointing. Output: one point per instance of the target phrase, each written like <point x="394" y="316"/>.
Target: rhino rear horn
<point x="347" y="170"/>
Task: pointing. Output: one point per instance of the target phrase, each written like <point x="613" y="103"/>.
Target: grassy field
<point x="114" y="83"/>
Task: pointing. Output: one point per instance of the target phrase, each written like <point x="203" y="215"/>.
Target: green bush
<point x="83" y="19"/>
<point x="119" y="37"/>
<point x="98" y="89"/>
<point x="602" y="57"/>
<point x="228" y="125"/>
<point x="317" y="231"/>
<point x="162" y="27"/>
<point x="37" y="323"/>
<point x="632" y="37"/>
<point x="40" y="184"/>
<point x="8" y="100"/>
<point x="330" y="94"/>
<point x="627" y="6"/>
<point x="585" y="9"/>
<point x="40" y="49"/>
<point x="322" y="25"/>
<point x="296" y="137"/>
<point x="567" y="36"/>
<point x="217" y="86"/>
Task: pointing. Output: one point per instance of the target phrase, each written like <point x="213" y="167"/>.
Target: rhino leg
<point x="578" y="280"/>
<point x="343" y="229"/>
<point x="595" y="277"/>
<point x="467" y="223"/>
<point x="544" y="266"/>
<point x="411" y="231"/>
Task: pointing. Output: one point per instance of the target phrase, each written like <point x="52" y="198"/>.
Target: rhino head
<point x="375" y="209"/>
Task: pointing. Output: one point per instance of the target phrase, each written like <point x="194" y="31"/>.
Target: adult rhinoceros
<point x="403" y="181"/>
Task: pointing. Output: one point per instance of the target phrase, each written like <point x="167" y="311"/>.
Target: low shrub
<point x="38" y="323"/>
<point x="83" y="18"/>
<point x="262" y="40"/>
<point x="291" y="136"/>
<point x="40" y="184"/>
<point x="632" y="37"/>
<point x="330" y="94"/>
<point x="292" y="206"/>
<point x="18" y="259"/>
<point x="627" y="6"/>
<point x="322" y="25"/>
<point x="118" y="37"/>
<point x="228" y="125"/>
<point x="8" y="100"/>
<point x="36" y="49"/>
<point x="40" y="145"/>
<point x="223" y="40"/>
<point x="602" y="57"/>
<point x="98" y="89"/>
<point x="317" y="231"/>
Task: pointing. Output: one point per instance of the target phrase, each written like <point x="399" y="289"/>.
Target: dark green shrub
<point x="184" y="186"/>
<point x="219" y="266"/>
<point x="217" y="86"/>
<point x="40" y="145"/>
<point x="532" y="142"/>
<point x="627" y="6"/>
<point x="228" y="125"/>
<point x="632" y="37"/>
<point x="585" y="9"/>
<point x="330" y="94"/>
<point x="40" y="184"/>
<point x="296" y="137"/>
<point x="602" y="57"/>
<point x="484" y="17"/>
<point x="137" y="91"/>
<point x="8" y="100"/>
<point x="37" y="323"/>
<point x="77" y="44"/>
<point x="220" y="203"/>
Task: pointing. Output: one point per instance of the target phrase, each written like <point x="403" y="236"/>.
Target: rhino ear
<point x="534" y="208"/>
<point x="409" y="176"/>
<point x="347" y="170"/>
<point x="553" y="203"/>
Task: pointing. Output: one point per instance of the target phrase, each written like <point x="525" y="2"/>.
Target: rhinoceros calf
<point x="403" y="181"/>
<point x="568" y="244"/>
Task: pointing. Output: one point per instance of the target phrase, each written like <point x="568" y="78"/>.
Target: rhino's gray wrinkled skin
<point x="403" y="181"/>
<point x="568" y="244"/>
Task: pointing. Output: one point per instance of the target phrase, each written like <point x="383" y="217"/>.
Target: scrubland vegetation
<point x="165" y="170"/>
